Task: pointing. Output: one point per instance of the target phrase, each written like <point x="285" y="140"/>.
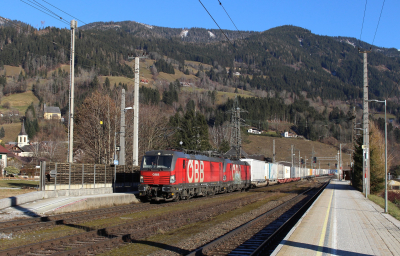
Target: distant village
<point x="23" y="152"/>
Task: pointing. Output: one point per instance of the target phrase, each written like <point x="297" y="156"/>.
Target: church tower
<point x="23" y="137"/>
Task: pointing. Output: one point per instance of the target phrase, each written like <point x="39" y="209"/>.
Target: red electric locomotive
<point x="172" y="175"/>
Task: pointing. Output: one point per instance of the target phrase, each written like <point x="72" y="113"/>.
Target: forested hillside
<point x="285" y="74"/>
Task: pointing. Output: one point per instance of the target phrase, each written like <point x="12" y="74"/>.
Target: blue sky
<point x="322" y="17"/>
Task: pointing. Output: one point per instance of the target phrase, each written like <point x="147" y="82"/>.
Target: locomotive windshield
<point x="157" y="162"/>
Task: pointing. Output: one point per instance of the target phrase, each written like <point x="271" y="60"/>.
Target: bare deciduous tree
<point x="96" y="126"/>
<point x="153" y="129"/>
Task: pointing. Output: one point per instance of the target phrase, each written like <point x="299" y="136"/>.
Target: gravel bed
<point x="200" y="239"/>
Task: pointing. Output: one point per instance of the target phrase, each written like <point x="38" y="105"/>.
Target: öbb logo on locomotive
<point x="195" y="171"/>
<point x="156" y="174"/>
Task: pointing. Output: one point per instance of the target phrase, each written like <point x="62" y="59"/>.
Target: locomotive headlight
<point x="172" y="179"/>
<point x="141" y="179"/>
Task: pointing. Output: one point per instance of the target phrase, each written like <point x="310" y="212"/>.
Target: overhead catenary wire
<point x="64" y="12"/>
<point x="57" y="18"/>
<point x="44" y="8"/>
<point x="217" y="24"/>
<point x="378" y="22"/>
<point x="362" y="25"/>
<point x="229" y="17"/>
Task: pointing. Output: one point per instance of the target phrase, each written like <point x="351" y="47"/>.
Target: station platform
<point x="343" y="222"/>
<point x="64" y="204"/>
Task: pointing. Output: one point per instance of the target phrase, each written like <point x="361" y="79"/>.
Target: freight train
<point x="167" y="175"/>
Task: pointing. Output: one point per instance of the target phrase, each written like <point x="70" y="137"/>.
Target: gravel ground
<point x="13" y="215"/>
<point x="197" y="240"/>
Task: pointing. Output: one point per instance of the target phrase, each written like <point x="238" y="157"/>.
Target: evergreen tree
<point x="357" y="170"/>
<point x="224" y="146"/>
<point x="2" y="132"/>
<point x="107" y="83"/>
<point x="192" y="130"/>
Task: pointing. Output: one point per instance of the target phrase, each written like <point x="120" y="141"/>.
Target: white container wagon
<point x="273" y="172"/>
<point x="259" y="175"/>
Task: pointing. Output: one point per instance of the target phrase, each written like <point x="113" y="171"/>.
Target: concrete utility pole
<point x="273" y="151"/>
<point x="299" y="159"/>
<point x="312" y="158"/>
<point x="122" y="130"/>
<point x="354" y="126"/>
<point x="136" y="116"/>
<point x="292" y="155"/>
<point x="366" y="165"/>
<point x="74" y="25"/>
<point x="340" y="162"/>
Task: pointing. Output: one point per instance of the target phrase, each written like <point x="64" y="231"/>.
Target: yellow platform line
<point x="322" y="239"/>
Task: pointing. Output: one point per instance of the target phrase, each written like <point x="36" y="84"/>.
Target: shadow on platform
<point x="22" y="209"/>
<point x="324" y="249"/>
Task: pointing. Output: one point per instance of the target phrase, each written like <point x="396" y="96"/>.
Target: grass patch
<point x="26" y="186"/>
<point x="19" y="101"/>
<point x="169" y="209"/>
<point x="18" y="183"/>
<point x="27" y="237"/>
<point x="163" y="239"/>
<point x="11" y="131"/>
<point x="263" y="145"/>
<point x="12" y="71"/>
<point x="392" y="208"/>
<point x="6" y="193"/>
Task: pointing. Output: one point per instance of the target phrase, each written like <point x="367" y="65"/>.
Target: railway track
<point x="94" y="241"/>
<point x="82" y="216"/>
<point x="261" y="235"/>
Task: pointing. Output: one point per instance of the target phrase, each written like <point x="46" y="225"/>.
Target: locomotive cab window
<point x="157" y="162"/>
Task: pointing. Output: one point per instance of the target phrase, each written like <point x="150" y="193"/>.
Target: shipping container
<point x="258" y="174"/>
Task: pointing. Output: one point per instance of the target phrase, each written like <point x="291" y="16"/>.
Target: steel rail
<point x="214" y="244"/>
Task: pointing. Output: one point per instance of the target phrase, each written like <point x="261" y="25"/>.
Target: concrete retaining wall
<point x="97" y="202"/>
<point x="33" y="196"/>
<point x="51" y="187"/>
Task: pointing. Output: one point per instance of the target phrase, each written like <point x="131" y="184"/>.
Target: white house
<point x="253" y="131"/>
<point x="289" y="135"/>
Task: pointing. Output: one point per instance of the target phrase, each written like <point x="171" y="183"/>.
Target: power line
<point x="216" y="23"/>
<point x="64" y="12"/>
<point x="229" y="17"/>
<point x="362" y="25"/>
<point x="44" y="8"/>
<point x="378" y="22"/>
<point x="57" y="18"/>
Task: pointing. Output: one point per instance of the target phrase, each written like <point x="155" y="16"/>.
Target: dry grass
<point x="5" y="193"/>
<point x="26" y="186"/>
<point x="12" y="131"/>
<point x="19" y="101"/>
<point x="382" y="115"/>
<point x="258" y="144"/>
<point x="12" y="71"/>
<point x="205" y="66"/>
<point x="392" y="208"/>
<point x="172" y="237"/>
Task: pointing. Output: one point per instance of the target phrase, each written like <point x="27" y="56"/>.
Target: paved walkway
<point x="343" y="222"/>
